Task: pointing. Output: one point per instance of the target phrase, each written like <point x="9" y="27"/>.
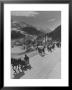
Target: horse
<point x="49" y="48"/>
<point x="20" y="65"/>
<point x="14" y="65"/>
<point x="58" y="44"/>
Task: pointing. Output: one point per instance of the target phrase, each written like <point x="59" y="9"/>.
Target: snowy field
<point x="47" y="67"/>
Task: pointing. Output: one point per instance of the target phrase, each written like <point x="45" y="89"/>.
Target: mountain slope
<point x="29" y="29"/>
<point x="56" y="34"/>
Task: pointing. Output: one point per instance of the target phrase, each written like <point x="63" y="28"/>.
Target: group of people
<point x="41" y="50"/>
<point x="50" y="47"/>
<point x="19" y="65"/>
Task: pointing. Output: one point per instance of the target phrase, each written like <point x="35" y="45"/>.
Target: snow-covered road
<point x="47" y="67"/>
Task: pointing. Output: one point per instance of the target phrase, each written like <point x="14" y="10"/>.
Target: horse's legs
<point x="14" y="70"/>
<point x="19" y="68"/>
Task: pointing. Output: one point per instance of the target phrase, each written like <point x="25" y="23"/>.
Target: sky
<point x="45" y="20"/>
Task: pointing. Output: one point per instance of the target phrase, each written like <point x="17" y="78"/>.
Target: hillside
<point x="26" y="28"/>
<point x="31" y="30"/>
<point x="56" y="34"/>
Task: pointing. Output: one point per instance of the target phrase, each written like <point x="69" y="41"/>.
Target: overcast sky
<point x="41" y="19"/>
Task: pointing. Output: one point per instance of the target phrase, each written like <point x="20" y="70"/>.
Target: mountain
<point x="18" y="25"/>
<point x="31" y="30"/>
<point x="22" y="26"/>
<point x="55" y="34"/>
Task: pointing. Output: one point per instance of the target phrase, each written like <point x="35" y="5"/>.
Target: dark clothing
<point x="26" y="58"/>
